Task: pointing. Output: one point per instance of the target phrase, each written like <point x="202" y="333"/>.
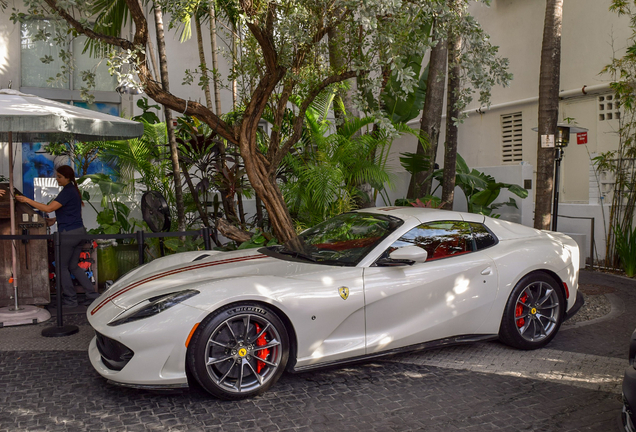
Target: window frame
<point x="489" y="232"/>
<point x="472" y="243"/>
<point x="65" y="94"/>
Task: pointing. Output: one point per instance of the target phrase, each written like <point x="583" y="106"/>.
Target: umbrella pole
<point x="14" y="260"/>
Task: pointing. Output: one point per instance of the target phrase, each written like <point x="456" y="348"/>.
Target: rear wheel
<point x="239" y="351"/>
<point x="534" y="312"/>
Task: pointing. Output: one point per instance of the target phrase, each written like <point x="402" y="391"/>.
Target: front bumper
<point x="148" y="353"/>
<point x="629" y="400"/>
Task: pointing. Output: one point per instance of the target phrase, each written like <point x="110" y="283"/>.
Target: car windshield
<point x="342" y="240"/>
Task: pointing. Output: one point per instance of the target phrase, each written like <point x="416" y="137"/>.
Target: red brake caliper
<point x="519" y="311"/>
<point x="262" y="353"/>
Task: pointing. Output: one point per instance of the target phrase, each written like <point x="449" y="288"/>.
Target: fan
<point x="155" y="211"/>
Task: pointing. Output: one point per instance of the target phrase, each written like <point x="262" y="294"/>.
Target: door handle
<point x="487" y="271"/>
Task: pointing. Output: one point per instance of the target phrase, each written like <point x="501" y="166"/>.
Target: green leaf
<point x="484" y="198"/>
<point x="403" y="108"/>
<point x="414" y="162"/>
<point x="105" y="217"/>
<point x="517" y="190"/>
<point x="112" y="229"/>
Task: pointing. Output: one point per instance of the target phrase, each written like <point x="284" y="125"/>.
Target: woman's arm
<point x="47" y="208"/>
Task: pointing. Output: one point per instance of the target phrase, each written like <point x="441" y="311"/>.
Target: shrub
<point x="626" y="250"/>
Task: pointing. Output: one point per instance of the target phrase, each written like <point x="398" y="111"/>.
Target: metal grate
<point x="511" y="138"/>
<point x="608" y="108"/>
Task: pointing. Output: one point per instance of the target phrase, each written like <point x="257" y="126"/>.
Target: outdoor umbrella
<point x="30" y="118"/>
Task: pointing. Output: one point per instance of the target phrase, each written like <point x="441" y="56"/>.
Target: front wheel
<point x="534" y="312"/>
<point x="239" y="351"/>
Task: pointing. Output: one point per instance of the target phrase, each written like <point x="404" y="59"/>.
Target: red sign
<point x="581" y="138"/>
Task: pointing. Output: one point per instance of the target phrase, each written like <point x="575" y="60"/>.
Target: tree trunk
<point x="549" y="80"/>
<point x="266" y="188"/>
<point x="204" y="65"/>
<point x="431" y="121"/>
<point x="232" y="232"/>
<point x="215" y="60"/>
<point x="452" y="114"/>
<point x="174" y="152"/>
<point x="234" y="62"/>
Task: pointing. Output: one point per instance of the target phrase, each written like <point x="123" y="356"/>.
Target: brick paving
<point x="48" y="384"/>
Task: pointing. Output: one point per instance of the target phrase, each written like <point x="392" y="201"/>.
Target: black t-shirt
<point x="69" y="216"/>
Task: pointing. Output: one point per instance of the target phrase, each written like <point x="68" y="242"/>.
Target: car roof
<point x="423" y="214"/>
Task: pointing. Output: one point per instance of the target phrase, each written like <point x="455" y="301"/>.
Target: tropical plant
<point x="81" y="154"/>
<point x="114" y="218"/>
<point x="146" y="114"/>
<point x="626" y="250"/>
<point x="259" y="239"/>
<point x="481" y="190"/>
<point x="211" y="167"/>
<point x="144" y="162"/>
<point x="621" y="163"/>
<point x="326" y="168"/>
<point x="427" y="201"/>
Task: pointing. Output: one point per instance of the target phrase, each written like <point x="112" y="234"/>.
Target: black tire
<point x="239" y="351"/>
<point x="534" y="312"/>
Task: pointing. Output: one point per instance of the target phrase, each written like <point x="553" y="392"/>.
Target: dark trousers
<point x="70" y="249"/>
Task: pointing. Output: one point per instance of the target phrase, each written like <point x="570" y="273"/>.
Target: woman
<point x="68" y="211"/>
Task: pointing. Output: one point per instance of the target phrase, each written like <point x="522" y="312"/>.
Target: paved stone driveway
<point x="572" y="385"/>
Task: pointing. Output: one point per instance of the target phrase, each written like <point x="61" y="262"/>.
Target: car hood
<point x="196" y="270"/>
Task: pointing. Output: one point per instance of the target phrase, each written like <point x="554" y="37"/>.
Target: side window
<point x="439" y="239"/>
<point x="483" y="238"/>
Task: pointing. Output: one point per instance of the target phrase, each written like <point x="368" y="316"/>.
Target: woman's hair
<point x="69" y="173"/>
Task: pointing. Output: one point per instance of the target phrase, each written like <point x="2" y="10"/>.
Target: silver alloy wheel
<point x="537" y="311"/>
<point x="243" y="353"/>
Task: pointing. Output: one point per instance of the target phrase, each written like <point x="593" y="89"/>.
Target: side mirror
<point x="410" y="253"/>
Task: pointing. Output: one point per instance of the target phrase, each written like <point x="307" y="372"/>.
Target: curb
<point x="618" y="309"/>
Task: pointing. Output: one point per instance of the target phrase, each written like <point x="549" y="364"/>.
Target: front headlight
<point x="154" y="306"/>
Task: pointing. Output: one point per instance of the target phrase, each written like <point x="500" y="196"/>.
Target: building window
<point x="511" y="138"/>
<point x="608" y="108"/>
<point x="38" y="43"/>
<point x="35" y="72"/>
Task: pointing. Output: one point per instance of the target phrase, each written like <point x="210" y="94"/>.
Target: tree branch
<point x="320" y="33"/>
<point x="111" y="40"/>
<point x="300" y="118"/>
<point x="279" y="116"/>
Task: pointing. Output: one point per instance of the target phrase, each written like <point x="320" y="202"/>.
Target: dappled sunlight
<point x="4" y="53"/>
<point x="327" y="281"/>
<point x="560" y="367"/>
<point x="384" y="341"/>
<point x="262" y="290"/>
<point x="461" y="285"/>
<point x="317" y="354"/>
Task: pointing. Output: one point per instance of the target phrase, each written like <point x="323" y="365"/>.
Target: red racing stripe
<point x="170" y="273"/>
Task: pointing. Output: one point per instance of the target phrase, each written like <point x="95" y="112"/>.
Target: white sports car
<point x="363" y="284"/>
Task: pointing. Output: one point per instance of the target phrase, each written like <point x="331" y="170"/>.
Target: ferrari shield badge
<point x="344" y="292"/>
